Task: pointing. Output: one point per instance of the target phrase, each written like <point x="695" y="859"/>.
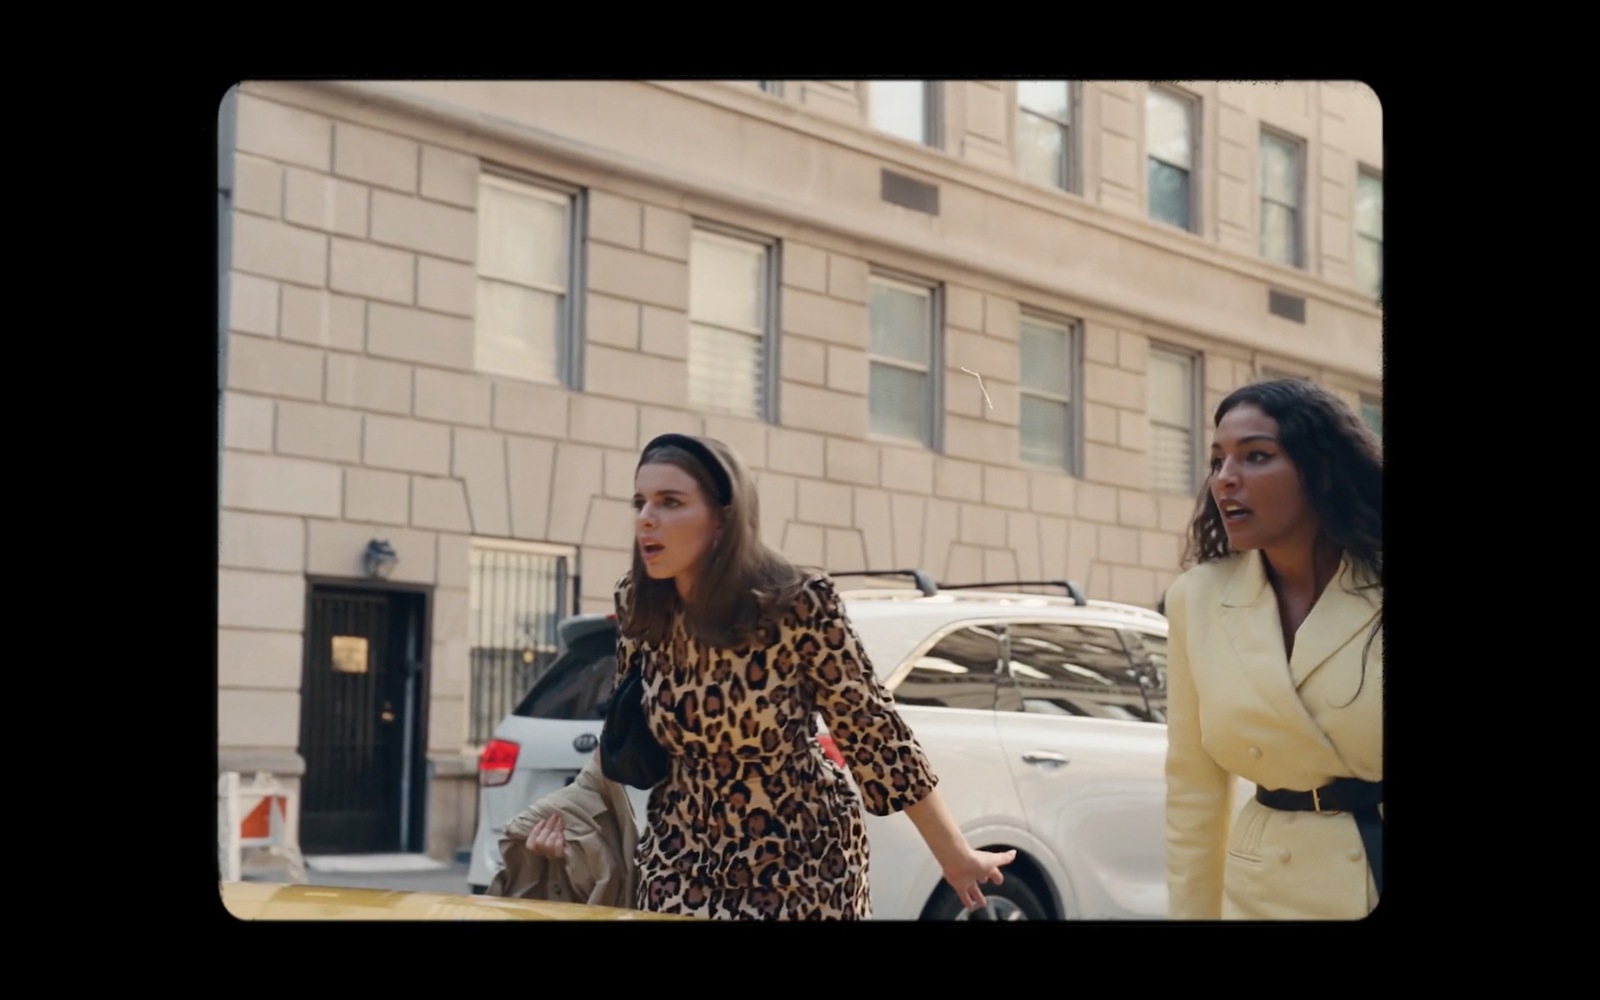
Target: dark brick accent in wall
<point x="1290" y="307"/>
<point x="908" y="192"/>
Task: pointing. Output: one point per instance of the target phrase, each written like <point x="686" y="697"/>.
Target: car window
<point x="577" y="682"/>
<point x="1064" y="669"/>
<point x="959" y="671"/>
<point x="1149" y="651"/>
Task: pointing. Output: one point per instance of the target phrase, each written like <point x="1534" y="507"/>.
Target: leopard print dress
<point x="754" y="821"/>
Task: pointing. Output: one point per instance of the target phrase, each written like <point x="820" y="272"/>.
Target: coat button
<point x="1255" y="751"/>
<point x="1283" y="855"/>
<point x="1354" y="854"/>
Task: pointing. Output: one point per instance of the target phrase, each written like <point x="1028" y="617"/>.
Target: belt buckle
<point x="1316" y="804"/>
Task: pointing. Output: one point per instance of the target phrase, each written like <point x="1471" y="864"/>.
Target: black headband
<point x="694" y="446"/>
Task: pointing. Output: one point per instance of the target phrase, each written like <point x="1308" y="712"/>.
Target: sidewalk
<point x="400" y="872"/>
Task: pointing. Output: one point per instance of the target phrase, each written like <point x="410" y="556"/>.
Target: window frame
<point x="1196" y="362"/>
<point x="932" y="436"/>
<point x="1193" y="105"/>
<point x="1298" y="242"/>
<point x="932" y="112"/>
<point x="570" y="336"/>
<point x="1073" y="461"/>
<point x="1072" y="165"/>
<point x="772" y="279"/>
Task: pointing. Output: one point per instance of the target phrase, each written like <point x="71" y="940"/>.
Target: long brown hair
<point x="742" y="586"/>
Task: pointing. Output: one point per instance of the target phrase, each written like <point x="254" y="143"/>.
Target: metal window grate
<point x="517" y="599"/>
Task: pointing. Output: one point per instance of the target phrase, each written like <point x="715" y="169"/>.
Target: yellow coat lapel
<point x="1250" y="620"/>
<point x="1342" y="614"/>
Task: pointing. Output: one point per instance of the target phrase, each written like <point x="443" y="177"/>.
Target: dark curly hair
<point x="1341" y="465"/>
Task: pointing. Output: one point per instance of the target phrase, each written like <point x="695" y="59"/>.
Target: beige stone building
<point x="453" y="311"/>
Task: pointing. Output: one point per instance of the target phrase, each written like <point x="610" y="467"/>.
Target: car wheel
<point x="1010" y="901"/>
<point x="478" y="890"/>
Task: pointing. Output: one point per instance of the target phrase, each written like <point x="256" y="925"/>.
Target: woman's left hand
<point x="967" y="873"/>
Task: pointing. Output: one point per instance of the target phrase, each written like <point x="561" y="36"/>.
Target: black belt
<point x="1359" y="798"/>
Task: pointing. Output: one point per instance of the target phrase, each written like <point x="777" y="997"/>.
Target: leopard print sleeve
<point x="622" y="598"/>
<point x="888" y="763"/>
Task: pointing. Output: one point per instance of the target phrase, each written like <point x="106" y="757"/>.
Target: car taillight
<point x="496" y="762"/>
<point x="831" y="750"/>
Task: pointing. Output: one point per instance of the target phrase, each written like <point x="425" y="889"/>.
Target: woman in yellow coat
<point x="1275" y="667"/>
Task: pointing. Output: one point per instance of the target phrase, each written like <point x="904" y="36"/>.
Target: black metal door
<point x="359" y="732"/>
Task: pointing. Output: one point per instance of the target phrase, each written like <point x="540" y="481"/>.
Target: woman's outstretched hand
<point x="973" y="869"/>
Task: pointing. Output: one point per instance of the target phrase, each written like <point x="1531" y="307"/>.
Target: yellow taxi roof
<point x="275" y="901"/>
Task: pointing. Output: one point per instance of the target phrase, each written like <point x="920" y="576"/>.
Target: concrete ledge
<point x="453" y="765"/>
<point x="284" y="763"/>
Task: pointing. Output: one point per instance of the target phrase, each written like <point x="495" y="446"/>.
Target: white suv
<point x="1044" y="717"/>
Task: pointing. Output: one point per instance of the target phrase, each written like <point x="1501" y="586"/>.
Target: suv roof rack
<point x="1072" y="589"/>
<point x="923" y="581"/>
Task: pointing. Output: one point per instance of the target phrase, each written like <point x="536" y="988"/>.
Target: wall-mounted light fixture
<point x="379" y="558"/>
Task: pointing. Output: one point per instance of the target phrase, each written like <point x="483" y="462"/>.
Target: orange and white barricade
<point x="262" y="814"/>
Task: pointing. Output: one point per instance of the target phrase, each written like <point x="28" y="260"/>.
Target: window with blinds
<point x="900" y="359"/>
<point x="1282" y="182"/>
<point x="1369" y="231"/>
<point x="730" y="295"/>
<point x="1173" y="383"/>
<point x="525" y="259"/>
<point x="1169" y="122"/>
<point x="905" y="108"/>
<point x="1046" y="382"/>
<point x="1045" y="137"/>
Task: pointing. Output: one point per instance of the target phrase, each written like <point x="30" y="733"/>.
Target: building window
<point x="1046" y="139"/>
<point x="1170" y="120"/>
<point x="526" y="270"/>
<point x="1372" y="414"/>
<point x="905" y="108"/>
<point x="1174" y="390"/>
<point x="903" y="359"/>
<point x="773" y="87"/>
<point x="516" y="594"/>
<point x="730" y="323"/>
<point x="1282" y="181"/>
<point x="1369" y="231"/>
<point x="1048" y="385"/>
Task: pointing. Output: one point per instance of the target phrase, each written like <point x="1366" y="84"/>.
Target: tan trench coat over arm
<point x="599" y="867"/>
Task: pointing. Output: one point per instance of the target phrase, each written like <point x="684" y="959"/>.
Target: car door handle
<point x="1044" y="757"/>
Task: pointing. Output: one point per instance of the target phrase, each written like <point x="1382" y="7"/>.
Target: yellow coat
<point x="1238" y="706"/>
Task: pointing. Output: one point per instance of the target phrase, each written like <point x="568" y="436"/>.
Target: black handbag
<point x="629" y="752"/>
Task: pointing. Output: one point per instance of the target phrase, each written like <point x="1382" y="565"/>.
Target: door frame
<point x="414" y="790"/>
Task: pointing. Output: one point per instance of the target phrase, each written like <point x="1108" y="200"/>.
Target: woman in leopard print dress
<point x="740" y="651"/>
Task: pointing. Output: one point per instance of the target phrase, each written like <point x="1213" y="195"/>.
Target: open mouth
<point x="1233" y="513"/>
<point x="650" y="549"/>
